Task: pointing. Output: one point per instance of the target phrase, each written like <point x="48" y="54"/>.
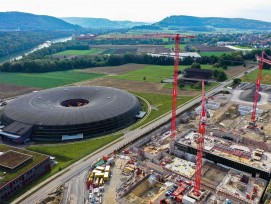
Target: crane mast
<point x="200" y="147"/>
<point x="175" y="87"/>
<point x="261" y="60"/>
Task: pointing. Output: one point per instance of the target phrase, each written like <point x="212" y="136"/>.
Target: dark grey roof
<point x="199" y="70"/>
<point x="17" y="128"/>
<point x="44" y="108"/>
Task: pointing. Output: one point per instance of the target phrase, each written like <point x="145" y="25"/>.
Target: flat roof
<point x="228" y="149"/>
<point x="17" y="128"/>
<point x="9" y="176"/>
<point x="12" y="159"/>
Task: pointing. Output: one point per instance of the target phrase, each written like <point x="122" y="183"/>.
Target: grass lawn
<point x="66" y="154"/>
<point x="78" y="52"/>
<point x="46" y="80"/>
<point x="208" y="54"/>
<point x="153" y="73"/>
<point x="160" y="103"/>
<point x="252" y="76"/>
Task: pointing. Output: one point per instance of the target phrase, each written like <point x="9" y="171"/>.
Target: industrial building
<point x="68" y="113"/>
<point x="18" y="168"/>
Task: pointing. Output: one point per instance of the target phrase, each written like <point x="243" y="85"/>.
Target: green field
<point x="78" y="52"/>
<point x="191" y="88"/>
<point x="242" y="47"/>
<point x="66" y="154"/>
<point x="153" y="73"/>
<point x="46" y="80"/>
<point x="208" y="54"/>
<point x="173" y="45"/>
<point x="160" y="103"/>
<point x="252" y="76"/>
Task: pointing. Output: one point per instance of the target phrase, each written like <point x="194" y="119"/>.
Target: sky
<point x="142" y="10"/>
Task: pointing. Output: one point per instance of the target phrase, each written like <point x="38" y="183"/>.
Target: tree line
<point x="33" y="63"/>
<point x="55" y="64"/>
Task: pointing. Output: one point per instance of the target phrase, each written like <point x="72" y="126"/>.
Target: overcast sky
<point x="142" y="10"/>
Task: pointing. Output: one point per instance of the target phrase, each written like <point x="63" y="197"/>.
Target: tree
<point x="219" y="75"/>
<point x="236" y="81"/>
<point x="198" y="85"/>
<point x="196" y="65"/>
<point x="181" y="83"/>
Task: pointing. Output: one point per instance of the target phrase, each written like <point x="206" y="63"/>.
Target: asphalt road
<point x="39" y="192"/>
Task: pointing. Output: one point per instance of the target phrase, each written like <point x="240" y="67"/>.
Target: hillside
<point x="27" y="21"/>
<point x="101" y="22"/>
<point x="208" y="23"/>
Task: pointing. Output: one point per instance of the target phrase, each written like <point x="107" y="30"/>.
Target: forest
<point x="20" y="41"/>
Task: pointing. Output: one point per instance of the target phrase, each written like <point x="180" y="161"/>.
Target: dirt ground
<point x="237" y="69"/>
<point x="116" y="180"/>
<point x="135" y="86"/>
<point x="115" y="70"/>
<point x="126" y="46"/>
<point x="10" y="90"/>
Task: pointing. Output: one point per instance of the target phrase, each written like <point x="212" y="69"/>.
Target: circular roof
<point x="88" y="105"/>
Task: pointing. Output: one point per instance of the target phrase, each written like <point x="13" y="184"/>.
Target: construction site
<point x="215" y="152"/>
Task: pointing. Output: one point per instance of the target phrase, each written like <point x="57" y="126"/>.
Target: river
<point x="43" y="45"/>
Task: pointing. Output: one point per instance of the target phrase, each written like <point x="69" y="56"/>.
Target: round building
<point x="68" y="113"/>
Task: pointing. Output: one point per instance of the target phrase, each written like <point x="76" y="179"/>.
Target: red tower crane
<point x="201" y="132"/>
<point x="261" y="60"/>
<point x="177" y="38"/>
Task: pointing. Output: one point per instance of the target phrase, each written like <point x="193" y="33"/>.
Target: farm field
<point x="252" y="76"/>
<point x="134" y="86"/>
<point x="173" y="45"/>
<point x="234" y="70"/>
<point x="243" y="47"/>
<point x="78" y="52"/>
<point x="115" y="70"/>
<point x="153" y="73"/>
<point x="11" y="90"/>
<point x="46" y="80"/>
<point x="208" y="54"/>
